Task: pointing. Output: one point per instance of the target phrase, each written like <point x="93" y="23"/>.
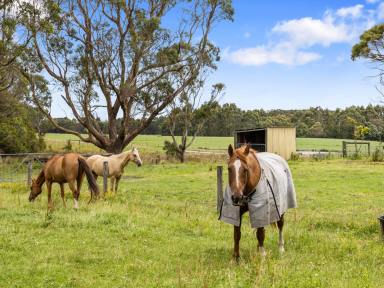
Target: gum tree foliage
<point x="19" y="121"/>
<point x="371" y="47"/>
<point x="122" y="57"/>
<point x="187" y="117"/>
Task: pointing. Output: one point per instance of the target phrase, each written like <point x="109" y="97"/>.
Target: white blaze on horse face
<point x="237" y="165"/>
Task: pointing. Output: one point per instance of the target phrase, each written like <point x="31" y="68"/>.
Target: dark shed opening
<point x="255" y="137"/>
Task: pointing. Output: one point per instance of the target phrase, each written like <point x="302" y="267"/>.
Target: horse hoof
<point x="281" y="249"/>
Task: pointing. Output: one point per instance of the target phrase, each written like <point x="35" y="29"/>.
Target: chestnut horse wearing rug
<point x="69" y="168"/>
<point x="260" y="183"/>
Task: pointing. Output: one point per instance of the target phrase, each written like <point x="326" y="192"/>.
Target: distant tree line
<point x="313" y="122"/>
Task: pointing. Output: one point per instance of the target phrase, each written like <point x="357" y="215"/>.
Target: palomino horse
<point x="68" y="168"/>
<point x="250" y="184"/>
<point x="116" y="164"/>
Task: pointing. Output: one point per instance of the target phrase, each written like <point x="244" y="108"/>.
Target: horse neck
<point x="254" y="171"/>
<point x="124" y="158"/>
<point x="41" y="178"/>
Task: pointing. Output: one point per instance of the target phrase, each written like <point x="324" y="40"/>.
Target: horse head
<point x="238" y="174"/>
<point x="135" y="156"/>
<point x="35" y="190"/>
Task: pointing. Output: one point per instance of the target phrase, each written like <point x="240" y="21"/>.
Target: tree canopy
<point x="121" y="56"/>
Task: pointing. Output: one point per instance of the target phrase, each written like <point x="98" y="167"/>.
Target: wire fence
<point x="18" y="170"/>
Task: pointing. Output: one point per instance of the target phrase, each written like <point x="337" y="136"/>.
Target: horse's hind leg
<point x="260" y="234"/>
<point x="280" y="225"/>
<point x="75" y="194"/>
<point x="79" y="181"/>
<point x="62" y="194"/>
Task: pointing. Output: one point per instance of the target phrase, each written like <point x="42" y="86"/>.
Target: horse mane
<point x="41" y="178"/>
<point x="126" y="158"/>
<point x="239" y="152"/>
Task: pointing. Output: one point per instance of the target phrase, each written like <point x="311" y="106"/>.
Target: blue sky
<point x="296" y="54"/>
<point x="292" y="54"/>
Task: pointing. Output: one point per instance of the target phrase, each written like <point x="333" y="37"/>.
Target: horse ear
<point x="230" y="150"/>
<point x="246" y="150"/>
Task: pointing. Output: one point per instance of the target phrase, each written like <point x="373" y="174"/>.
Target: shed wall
<point x="281" y="141"/>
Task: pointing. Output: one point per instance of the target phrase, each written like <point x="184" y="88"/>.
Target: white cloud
<point x="372" y="1"/>
<point x="281" y="54"/>
<point x="247" y="35"/>
<point x="290" y="41"/>
<point x="380" y="11"/>
<point x="353" y="11"/>
<point x="308" y="31"/>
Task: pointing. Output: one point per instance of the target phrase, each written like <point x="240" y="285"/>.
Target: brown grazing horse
<point x="68" y="168"/>
<point x="244" y="173"/>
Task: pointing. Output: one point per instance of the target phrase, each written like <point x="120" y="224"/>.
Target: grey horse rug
<point x="275" y="182"/>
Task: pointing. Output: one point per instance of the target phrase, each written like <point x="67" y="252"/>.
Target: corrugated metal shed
<point x="279" y="140"/>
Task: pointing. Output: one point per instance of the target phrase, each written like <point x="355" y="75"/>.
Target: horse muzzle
<point x="239" y="200"/>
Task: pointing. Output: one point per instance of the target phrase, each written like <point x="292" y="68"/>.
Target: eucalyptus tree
<point x="128" y="59"/>
<point x="187" y="117"/>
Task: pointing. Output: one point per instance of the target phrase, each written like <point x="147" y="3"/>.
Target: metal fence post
<point x="105" y="176"/>
<point x="29" y="177"/>
<point x="219" y="171"/>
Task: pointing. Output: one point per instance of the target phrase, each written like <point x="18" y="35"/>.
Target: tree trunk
<point x="182" y="156"/>
<point x="115" y="147"/>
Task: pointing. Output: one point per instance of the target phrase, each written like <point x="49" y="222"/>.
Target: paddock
<point x="163" y="225"/>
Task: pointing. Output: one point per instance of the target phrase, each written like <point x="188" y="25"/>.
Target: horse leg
<point x="260" y="234"/>
<point x="117" y="183"/>
<point x="75" y="194"/>
<point x="237" y="235"/>
<point x="62" y="194"/>
<point x="236" y="238"/>
<point x="49" y="188"/>
<point x="280" y="225"/>
<point x="112" y="183"/>
<point x="79" y="181"/>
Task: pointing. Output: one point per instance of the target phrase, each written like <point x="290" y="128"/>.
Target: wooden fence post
<point x="105" y="176"/>
<point x="219" y="171"/>
<point x="29" y="177"/>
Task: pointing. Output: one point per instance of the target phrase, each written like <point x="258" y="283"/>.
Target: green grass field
<point x="154" y="143"/>
<point x="161" y="230"/>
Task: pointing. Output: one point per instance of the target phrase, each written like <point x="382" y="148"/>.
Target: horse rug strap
<point x="274" y="195"/>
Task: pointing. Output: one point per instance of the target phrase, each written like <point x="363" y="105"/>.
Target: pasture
<point x="155" y="143"/>
<point x="161" y="230"/>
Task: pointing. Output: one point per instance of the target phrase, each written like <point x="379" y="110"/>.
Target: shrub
<point x="378" y="155"/>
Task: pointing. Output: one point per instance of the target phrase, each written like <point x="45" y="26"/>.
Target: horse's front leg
<point x="260" y="234"/>
<point x="236" y="238"/>
<point x="117" y="182"/>
<point x="112" y="183"/>
<point x="49" y="188"/>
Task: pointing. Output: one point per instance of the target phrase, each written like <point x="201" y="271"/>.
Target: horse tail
<point x="90" y="178"/>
